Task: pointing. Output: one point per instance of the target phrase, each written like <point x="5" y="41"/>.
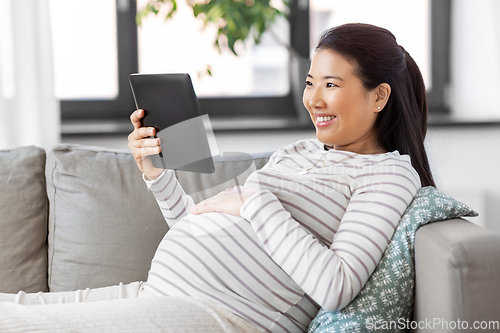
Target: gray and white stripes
<point x="303" y="241"/>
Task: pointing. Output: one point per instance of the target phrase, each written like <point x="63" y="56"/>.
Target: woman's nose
<point x="316" y="100"/>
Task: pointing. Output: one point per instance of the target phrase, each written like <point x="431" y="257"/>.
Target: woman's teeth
<point x="323" y="119"/>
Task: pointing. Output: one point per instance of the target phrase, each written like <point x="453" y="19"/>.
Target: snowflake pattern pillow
<point x="388" y="295"/>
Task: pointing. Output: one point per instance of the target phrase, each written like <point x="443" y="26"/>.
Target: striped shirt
<point x="304" y="241"/>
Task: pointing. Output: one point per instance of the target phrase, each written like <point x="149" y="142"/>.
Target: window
<point x="95" y="50"/>
<point x="261" y="89"/>
<point x="85" y="55"/>
<point x="252" y="89"/>
<point x="257" y="71"/>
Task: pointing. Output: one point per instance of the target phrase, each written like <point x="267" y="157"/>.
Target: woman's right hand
<point x="142" y="146"/>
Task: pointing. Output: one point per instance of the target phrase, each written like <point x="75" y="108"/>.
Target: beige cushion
<point x="23" y="221"/>
<point x="457" y="274"/>
<point x="104" y="225"/>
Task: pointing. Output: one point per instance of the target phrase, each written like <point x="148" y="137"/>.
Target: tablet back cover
<point x="171" y="106"/>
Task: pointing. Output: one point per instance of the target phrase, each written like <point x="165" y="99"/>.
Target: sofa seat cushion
<point x="23" y="220"/>
<point x="104" y="225"/>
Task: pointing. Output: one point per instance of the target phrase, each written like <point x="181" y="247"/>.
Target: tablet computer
<point x="171" y="106"/>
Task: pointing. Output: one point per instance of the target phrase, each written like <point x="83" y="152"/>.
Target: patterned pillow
<point x="388" y="295"/>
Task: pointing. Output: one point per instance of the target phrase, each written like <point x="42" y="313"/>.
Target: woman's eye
<point x="331" y="85"/>
<point x="309" y="83"/>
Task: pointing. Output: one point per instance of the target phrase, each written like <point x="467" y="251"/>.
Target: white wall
<point x="475" y="58"/>
<point x="466" y="160"/>
<point x="466" y="165"/>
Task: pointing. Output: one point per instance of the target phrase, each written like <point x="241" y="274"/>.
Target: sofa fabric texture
<point x="104" y="225"/>
<point x="458" y="267"/>
<point x="23" y="220"/>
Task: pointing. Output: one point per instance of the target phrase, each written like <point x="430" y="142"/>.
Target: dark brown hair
<point x="377" y="58"/>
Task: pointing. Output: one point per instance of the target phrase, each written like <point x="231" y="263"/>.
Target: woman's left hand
<point x="229" y="201"/>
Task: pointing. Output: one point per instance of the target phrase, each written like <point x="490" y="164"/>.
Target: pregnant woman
<point x="306" y="231"/>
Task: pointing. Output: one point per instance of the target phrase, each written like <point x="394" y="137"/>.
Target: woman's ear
<point x="383" y="91"/>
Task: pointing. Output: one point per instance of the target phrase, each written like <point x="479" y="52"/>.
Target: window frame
<point x="437" y="96"/>
<point x="236" y="113"/>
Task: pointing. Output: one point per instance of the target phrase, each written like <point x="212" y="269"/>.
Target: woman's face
<point x="342" y="110"/>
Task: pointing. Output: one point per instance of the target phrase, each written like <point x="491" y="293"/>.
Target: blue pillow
<point x="389" y="293"/>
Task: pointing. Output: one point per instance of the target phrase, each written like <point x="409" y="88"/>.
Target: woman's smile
<point x="323" y="120"/>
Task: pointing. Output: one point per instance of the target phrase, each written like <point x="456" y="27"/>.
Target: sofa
<point x="81" y="217"/>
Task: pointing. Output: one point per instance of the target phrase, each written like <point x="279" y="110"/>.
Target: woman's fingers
<point x="208" y="205"/>
<point x="135" y="118"/>
<point x="141" y="133"/>
<point x="142" y="145"/>
<point x="145" y="143"/>
<point x="140" y="138"/>
<point x="139" y="141"/>
<point x="229" y="201"/>
<point x="143" y="148"/>
<point x="142" y="153"/>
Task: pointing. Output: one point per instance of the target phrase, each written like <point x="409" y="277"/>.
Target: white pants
<point x="121" y="308"/>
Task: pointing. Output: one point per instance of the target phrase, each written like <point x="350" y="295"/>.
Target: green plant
<point x="237" y="20"/>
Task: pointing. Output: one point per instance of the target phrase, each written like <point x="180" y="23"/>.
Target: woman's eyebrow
<point x="328" y="77"/>
<point x="333" y="77"/>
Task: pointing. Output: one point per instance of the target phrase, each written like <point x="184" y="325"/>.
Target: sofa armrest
<point x="457" y="276"/>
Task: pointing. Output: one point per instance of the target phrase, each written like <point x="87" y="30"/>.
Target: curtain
<point x="29" y="110"/>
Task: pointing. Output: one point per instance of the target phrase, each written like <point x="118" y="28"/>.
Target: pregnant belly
<point x="218" y="258"/>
